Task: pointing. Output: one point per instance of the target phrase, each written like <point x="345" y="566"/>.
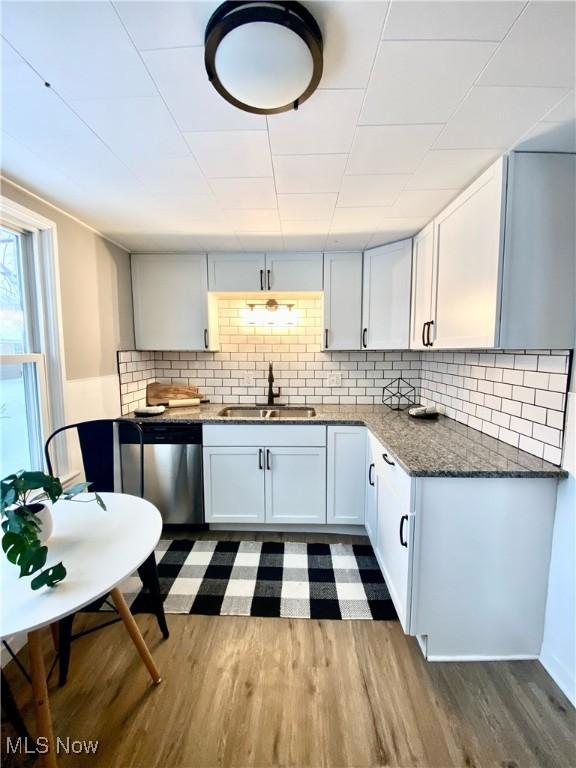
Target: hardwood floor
<point x="277" y="692"/>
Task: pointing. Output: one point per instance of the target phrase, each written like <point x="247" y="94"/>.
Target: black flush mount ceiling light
<point x="263" y="57"/>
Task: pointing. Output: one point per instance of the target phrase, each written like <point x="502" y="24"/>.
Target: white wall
<point x="559" y="647"/>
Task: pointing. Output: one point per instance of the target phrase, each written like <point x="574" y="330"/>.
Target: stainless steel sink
<point x="273" y="412"/>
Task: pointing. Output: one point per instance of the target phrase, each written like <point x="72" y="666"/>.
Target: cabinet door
<point x="236" y="271"/>
<point x="342" y="300"/>
<point x="370" y="479"/>
<point x="423" y="273"/>
<point x="469" y="249"/>
<point x="170" y="301"/>
<point x="386" y="296"/>
<point x="295" y="485"/>
<point x="294" y="271"/>
<point x="395" y="539"/>
<point x="346" y="475"/>
<point x="234" y="485"/>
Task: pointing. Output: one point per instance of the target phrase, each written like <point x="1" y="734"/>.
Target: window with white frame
<point x="30" y="370"/>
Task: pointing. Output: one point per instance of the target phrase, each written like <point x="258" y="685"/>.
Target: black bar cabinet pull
<point x="268" y="278"/>
<point x="261" y="279"/>
<point x="403" y="519"/>
<point x="387" y="460"/>
<point x="370" y="468"/>
<point x="424" y="344"/>
<point x="326" y="338"/>
<point x="364" y="335"/>
<point x="267" y="458"/>
<point x="260" y="457"/>
<point x="429" y="343"/>
<point x="205" y="338"/>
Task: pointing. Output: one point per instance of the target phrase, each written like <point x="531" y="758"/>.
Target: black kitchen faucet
<point x="271" y="394"/>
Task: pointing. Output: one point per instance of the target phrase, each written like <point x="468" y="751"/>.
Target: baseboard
<point x="348" y="530"/>
<point x="561" y="676"/>
<point x="478" y="657"/>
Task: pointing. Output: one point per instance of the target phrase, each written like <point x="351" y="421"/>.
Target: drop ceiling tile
<point x="539" y="51"/>
<point x="261" y="241"/>
<point x="362" y="219"/>
<point x="295" y="242"/>
<point x="142" y="242"/>
<point x="254" y="220"/>
<point x="549" y="137"/>
<point x="299" y="207"/>
<point x="351" y="32"/>
<point x="215" y="242"/>
<point x="390" y="148"/>
<point x="181" y="78"/>
<point x="231" y="154"/>
<point x="324" y="124"/>
<point x="390" y="230"/>
<point x="421" y="203"/>
<point x="81" y="48"/>
<point x="564" y="110"/>
<point x="353" y="241"/>
<point x="172" y="175"/>
<point x="422" y="81"/>
<point x="368" y="189"/>
<point x="492" y="118"/>
<point x="165" y="25"/>
<point x="450" y="20"/>
<point x="134" y="128"/>
<point x="451" y="168"/>
<point x="60" y="136"/>
<point x="308" y="173"/>
<point x="245" y="193"/>
<point x="306" y="227"/>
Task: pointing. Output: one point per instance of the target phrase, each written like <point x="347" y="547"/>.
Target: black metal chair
<point x="97" y="441"/>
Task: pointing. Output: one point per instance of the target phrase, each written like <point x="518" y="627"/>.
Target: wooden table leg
<point x="41" y="701"/>
<point x="135" y="634"/>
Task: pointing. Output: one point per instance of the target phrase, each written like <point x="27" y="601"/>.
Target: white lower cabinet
<point x="295" y="483"/>
<point x="233" y="485"/>
<point x="248" y="479"/>
<point x="465" y="559"/>
<point x="346" y="483"/>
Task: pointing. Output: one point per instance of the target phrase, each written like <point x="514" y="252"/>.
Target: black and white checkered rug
<point x="254" y="578"/>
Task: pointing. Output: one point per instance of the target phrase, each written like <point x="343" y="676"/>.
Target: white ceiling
<point x="417" y="98"/>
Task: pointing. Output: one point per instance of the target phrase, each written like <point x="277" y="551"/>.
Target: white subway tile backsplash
<point x="516" y="396"/>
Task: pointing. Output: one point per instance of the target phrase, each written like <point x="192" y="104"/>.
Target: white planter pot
<point x="46" y="522"/>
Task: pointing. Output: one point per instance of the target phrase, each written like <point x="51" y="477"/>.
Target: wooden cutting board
<point x="160" y="394"/>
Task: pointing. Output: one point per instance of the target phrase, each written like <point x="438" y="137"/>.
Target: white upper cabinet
<point x="264" y="272"/>
<point x="170" y="301"/>
<point x="468" y="243"/>
<point x="342" y="300"/>
<point x="386" y="296"/>
<point x="294" y="271"/>
<point x="502" y="272"/>
<point x="236" y="271"/>
<point x="423" y="269"/>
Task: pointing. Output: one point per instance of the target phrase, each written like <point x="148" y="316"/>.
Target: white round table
<point x="99" y="548"/>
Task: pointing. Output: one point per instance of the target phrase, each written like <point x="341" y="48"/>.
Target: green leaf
<point x="8" y="496"/>
<point x="32" y="560"/>
<point x="100" y="501"/>
<point x="49" y="577"/>
<point x="76" y="489"/>
<point x="13" y="545"/>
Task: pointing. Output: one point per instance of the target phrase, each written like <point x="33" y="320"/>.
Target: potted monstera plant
<point x="27" y="522"/>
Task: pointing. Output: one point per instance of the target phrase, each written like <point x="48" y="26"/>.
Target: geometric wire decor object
<point x="398" y="395"/>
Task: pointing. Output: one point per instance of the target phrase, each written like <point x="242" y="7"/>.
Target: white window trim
<point x="46" y="268"/>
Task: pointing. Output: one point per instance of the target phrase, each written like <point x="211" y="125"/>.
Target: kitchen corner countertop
<point x="440" y="448"/>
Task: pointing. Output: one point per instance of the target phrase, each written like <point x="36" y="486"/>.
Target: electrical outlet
<point x="335" y="379"/>
<point x="249" y="379"/>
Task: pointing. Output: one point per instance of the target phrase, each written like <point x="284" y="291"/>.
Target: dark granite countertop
<point x="441" y="448"/>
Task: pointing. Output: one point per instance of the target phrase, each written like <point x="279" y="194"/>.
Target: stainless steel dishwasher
<point x="172" y="469"/>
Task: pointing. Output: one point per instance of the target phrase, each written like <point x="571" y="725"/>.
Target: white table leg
<point x="41" y="701"/>
<point x="135" y="634"/>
